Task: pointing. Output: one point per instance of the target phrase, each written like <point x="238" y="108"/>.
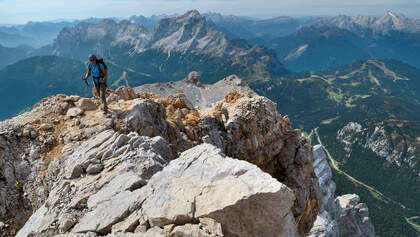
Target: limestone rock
<point x="103" y="175"/>
<point x="96" y="203"/>
<point x="234" y="193"/>
<point x="353" y="217"/>
<point x="45" y="127"/>
<point x="200" y="95"/>
<point x="147" y="118"/>
<point x="326" y="224"/>
<point x="94" y="168"/>
<point x="74" y="112"/>
<point x="341" y="216"/>
<point x="324" y="174"/>
<point x="126" y="93"/>
<point x="248" y="127"/>
<point x="86" y="104"/>
<point x="193" y="77"/>
<point x="180" y="101"/>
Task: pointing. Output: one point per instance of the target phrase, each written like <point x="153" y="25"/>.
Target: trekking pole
<point x="86" y="83"/>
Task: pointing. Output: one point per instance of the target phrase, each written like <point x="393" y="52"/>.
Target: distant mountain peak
<point x="391" y="21"/>
<point x="192" y="14"/>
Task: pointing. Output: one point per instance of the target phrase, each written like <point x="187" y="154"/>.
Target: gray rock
<point x="341" y="216"/>
<point x="353" y="220"/>
<point x="234" y="193"/>
<point x="74" y="112"/>
<point x="200" y="95"/>
<point x="106" y="214"/>
<point x="45" y="127"/>
<point x="126" y="93"/>
<point x="65" y="224"/>
<point x="34" y="133"/>
<point x="147" y="118"/>
<point x="94" y="204"/>
<point x="74" y="98"/>
<point x="26" y="132"/>
<point x="86" y="104"/>
<point x="120" y="183"/>
<point x="94" y="168"/>
<point x="326" y="222"/>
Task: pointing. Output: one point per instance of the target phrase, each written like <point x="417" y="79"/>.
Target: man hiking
<point x="99" y="73"/>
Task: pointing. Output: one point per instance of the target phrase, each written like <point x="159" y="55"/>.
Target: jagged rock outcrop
<point x="338" y="216"/>
<point x="353" y="217"/>
<point x="326" y="224"/>
<point x="200" y="95"/>
<point x="116" y="167"/>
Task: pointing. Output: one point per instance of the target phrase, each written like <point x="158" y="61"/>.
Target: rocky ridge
<point x="201" y="96"/>
<point x="342" y="215"/>
<point x="156" y="166"/>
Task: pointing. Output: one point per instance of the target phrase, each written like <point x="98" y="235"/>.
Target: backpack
<point x="99" y="62"/>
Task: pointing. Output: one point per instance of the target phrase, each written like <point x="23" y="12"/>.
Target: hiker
<point x="98" y="70"/>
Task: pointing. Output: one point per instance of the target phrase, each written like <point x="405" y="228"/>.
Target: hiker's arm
<point x="105" y="74"/>
<point x="87" y="75"/>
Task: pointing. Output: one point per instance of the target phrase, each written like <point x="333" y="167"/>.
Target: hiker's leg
<point x="103" y="96"/>
<point x="98" y="88"/>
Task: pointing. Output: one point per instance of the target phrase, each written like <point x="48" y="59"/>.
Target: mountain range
<point x="301" y="44"/>
<point x="333" y="42"/>
<point x="173" y="48"/>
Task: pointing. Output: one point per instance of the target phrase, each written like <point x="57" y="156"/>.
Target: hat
<point x="92" y="57"/>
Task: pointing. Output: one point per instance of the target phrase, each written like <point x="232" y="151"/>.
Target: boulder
<point x="147" y="118"/>
<point x="126" y="93"/>
<point x="193" y="77"/>
<point x="74" y="112"/>
<point x="86" y="104"/>
<point x="45" y="127"/>
<point x="203" y="183"/>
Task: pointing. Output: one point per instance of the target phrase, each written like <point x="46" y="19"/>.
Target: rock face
<point x="354" y="218"/>
<point x="326" y="224"/>
<point x="158" y="166"/>
<point x="215" y="190"/>
<point x="338" y="216"/>
<point x="234" y="193"/>
<point x="377" y="138"/>
<point x="200" y="95"/>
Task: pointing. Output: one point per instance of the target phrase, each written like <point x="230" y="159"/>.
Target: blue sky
<point x="21" y="11"/>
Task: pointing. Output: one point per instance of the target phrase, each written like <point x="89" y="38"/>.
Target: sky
<point x="22" y="11"/>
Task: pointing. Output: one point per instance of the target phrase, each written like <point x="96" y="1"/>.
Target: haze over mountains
<point x="365" y="106"/>
<point x="301" y="44"/>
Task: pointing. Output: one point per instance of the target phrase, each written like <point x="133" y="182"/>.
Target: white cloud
<point x="12" y="11"/>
